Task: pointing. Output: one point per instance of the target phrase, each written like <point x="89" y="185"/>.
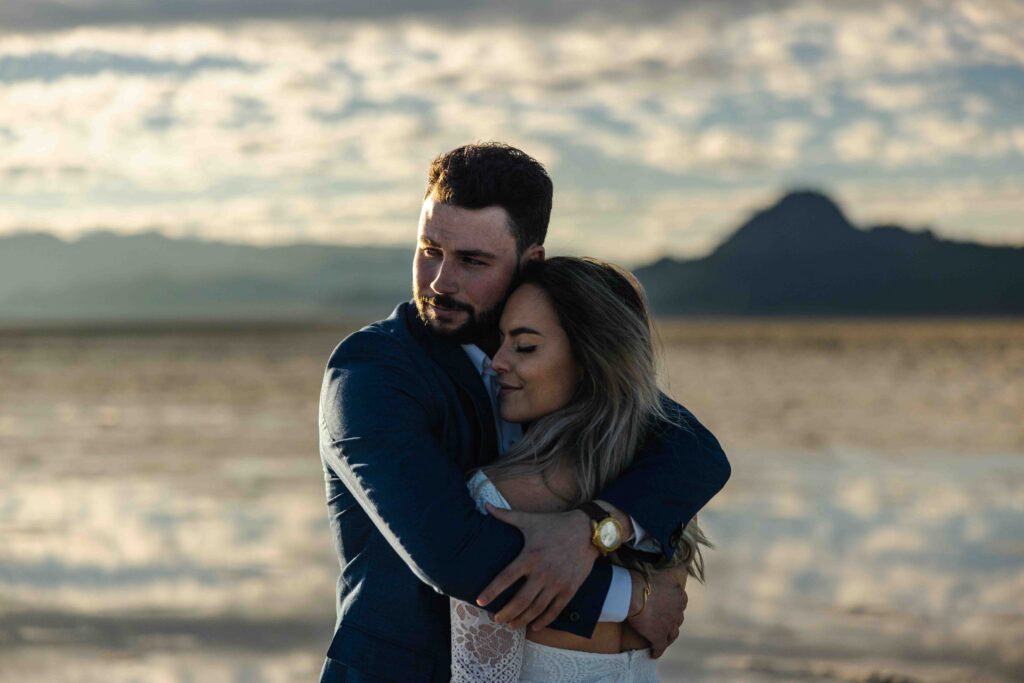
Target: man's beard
<point x="479" y="327"/>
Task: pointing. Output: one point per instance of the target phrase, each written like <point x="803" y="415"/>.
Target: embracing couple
<point x="512" y="498"/>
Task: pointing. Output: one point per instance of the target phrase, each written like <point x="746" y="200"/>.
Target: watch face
<point x="609" y="535"/>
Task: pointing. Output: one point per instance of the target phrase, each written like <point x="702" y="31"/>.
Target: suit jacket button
<point x="574" y="617"/>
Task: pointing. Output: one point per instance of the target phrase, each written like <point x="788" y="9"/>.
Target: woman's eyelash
<point x="526" y="349"/>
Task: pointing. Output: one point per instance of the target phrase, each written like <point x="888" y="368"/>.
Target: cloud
<point x="363" y="218"/>
<point x="45" y="15"/>
<point x="917" y="139"/>
<point x="858" y="142"/>
<point x="893" y="97"/>
<point x="632" y="230"/>
<point x="995" y="27"/>
<point x="985" y="210"/>
<point x="179" y="124"/>
<point x="50" y="66"/>
<point x="930" y="137"/>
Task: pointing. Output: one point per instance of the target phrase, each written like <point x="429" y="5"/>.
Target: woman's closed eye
<point x="526" y="349"/>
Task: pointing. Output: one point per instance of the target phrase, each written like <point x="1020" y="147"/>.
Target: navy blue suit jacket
<point x="403" y="416"/>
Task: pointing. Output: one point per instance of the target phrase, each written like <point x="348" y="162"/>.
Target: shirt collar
<point x="479" y="359"/>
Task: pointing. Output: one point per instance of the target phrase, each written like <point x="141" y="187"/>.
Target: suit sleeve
<point x="378" y="434"/>
<point x="680" y="468"/>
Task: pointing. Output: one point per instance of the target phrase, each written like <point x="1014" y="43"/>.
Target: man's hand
<point x="556" y="558"/>
<point x="660" y="620"/>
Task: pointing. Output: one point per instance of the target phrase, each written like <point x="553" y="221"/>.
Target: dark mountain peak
<point x="802" y="212"/>
<point x="801" y="222"/>
<point x="801" y="256"/>
<point x="808" y="201"/>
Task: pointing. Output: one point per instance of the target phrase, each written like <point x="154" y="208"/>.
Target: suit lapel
<point x="456" y="364"/>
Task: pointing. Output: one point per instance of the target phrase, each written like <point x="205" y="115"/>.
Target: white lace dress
<point x="486" y="652"/>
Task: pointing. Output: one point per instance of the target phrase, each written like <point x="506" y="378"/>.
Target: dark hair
<point x="495" y="174"/>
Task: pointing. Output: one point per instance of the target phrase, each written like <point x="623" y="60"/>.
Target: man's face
<point x="465" y="262"/>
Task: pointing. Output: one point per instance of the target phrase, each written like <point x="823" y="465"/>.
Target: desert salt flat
<point x="162" y="509"/>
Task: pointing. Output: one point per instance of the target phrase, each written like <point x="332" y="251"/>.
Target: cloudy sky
<point x="663" y="124"/>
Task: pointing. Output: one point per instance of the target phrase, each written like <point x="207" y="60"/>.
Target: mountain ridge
<point x="149" y="276"/>
<point x="800" y="256"/>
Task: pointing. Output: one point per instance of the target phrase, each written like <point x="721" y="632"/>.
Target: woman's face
<point x="535" y="366"/>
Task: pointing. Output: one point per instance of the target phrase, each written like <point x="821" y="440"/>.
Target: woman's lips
<point x="507" y="389"/>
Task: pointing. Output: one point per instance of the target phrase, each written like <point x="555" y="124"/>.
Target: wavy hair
<point x="617" y="403"/>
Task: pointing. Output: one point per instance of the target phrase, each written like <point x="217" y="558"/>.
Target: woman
<point x="577" y="368"/>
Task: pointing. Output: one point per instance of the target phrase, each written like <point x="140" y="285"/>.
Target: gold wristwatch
<point x="608" y="533"/>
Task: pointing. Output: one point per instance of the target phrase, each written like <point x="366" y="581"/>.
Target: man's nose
<point x="445" y="282"/>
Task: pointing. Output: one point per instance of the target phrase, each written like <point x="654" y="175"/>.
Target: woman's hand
<point x="660" y="619"/>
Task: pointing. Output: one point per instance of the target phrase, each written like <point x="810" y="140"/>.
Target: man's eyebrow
<point x="462" y="253"/>
<point x="524" y="330"/>
<point x="475" y="253"/>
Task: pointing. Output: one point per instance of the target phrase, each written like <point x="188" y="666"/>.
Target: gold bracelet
<point x="647" y="594"/>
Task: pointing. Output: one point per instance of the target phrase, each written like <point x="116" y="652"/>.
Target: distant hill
<point x="798" y="257"/>
<point x="803" y="257"/>
<point x="110" y="277"/>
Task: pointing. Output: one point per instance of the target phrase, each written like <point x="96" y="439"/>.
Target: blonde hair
<point x="617" y="404"/>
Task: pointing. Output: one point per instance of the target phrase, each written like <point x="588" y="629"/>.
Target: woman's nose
<point x="500" y="361"/>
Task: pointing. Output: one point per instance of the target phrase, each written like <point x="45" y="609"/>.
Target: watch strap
<point x="595" y="511"/>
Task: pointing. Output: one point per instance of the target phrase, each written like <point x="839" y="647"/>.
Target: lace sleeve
<point x="483" y="651"/>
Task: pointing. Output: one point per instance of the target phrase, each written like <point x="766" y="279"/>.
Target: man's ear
<point x="532" y="253"/>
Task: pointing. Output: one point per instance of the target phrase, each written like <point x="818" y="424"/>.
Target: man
<point x="405" y="411"/>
